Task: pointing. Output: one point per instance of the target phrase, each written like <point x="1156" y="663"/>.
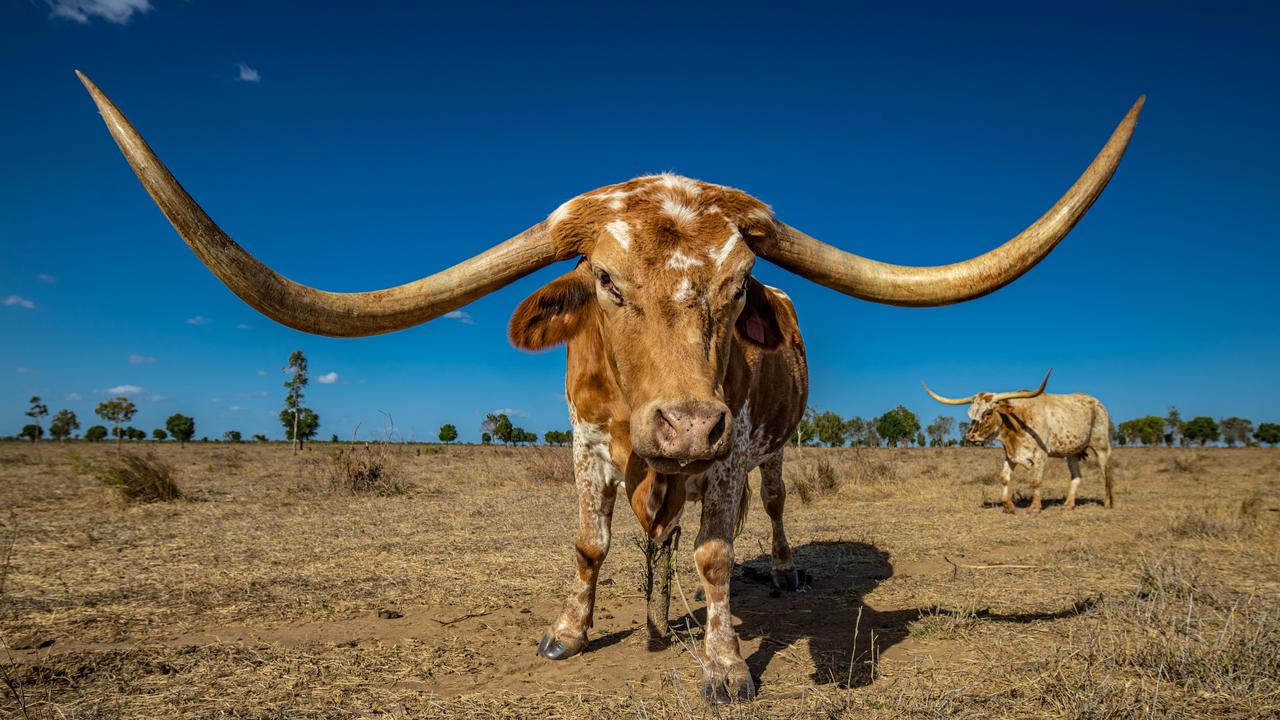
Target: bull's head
<point x="665" y="268"/>
<point x="986" y="410"/>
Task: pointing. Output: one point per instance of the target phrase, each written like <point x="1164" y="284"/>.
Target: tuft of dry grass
<point x="1218" y="522"/>
<point x="370" y="469"/>
<point x="140" y="477"/>
<point x="815" y="477"/>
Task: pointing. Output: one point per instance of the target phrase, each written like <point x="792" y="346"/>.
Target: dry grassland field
<point x="265" y="593"/>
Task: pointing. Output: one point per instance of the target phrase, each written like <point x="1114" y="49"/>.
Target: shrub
<point x="814" y="478"/>
<point x="367" y="470"/>
<point x="140" y="477"/>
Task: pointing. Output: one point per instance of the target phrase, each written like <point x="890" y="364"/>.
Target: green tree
<point x="829" y="428"/>
<point x="118" y="410"/>
<point x="260" y="438"/>
<point x="520" y="435"/>
<point x="31" y="431"/>
<point x="291" y="415"/>
<point x="898" y="425"/>
<point x="485" y="438"/>
<point x="181" y="427"/>
<point x="159" y="435"/>
<point x="97" y="433"/>
<point x="920" y="440"/>
<point x="499" y="426"/>
<point x="939" y="429"/>
<point x="64" y="423"/>
<point x="448" y="433"/>
<point x="231" y="436"/>
<point x="1147" y="430"/>
<point x="556" y="437"/>
<point x="35" y="412"/>
<point x="1173" y="426"/>
<point x="305" y="420"/>
<point x="1236" y="430"/>
<point x="1201" y="430"/>
<point x="1268" y="433"/>
<point x="134" y="434"/>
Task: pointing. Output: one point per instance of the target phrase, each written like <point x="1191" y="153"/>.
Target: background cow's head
<point x="665" y="275"/>
<point x="987" y="410"/>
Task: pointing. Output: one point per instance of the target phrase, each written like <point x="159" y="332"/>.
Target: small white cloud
<point x="328" y="378"/>
<point x="248" y="74"/>
<point x="460" y="316"/>
<point x="243" y="326"/>
<point x="511" y="412"/>
<point x="259" y="393"/>
<point x="124" y="390"/>
<point x="24" y="370"/>
<point x="136" y="359"/>
<point x="157" y="398"/>
<point x="20" y="302"/>
<point x="198" y="320"/>
<point x="81" y="11"/>
<point x="262" y="373"/>
<point x="234" y="407"/>
<point x="73" y="397"/>
<point x="46" y="278"/>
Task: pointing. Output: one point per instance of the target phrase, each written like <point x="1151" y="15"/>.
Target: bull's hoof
<point x="732" y="688"/>
<point x="1034" y="509"/>
<point x="1007" y="509"/>
<point x="553" y="649"/>
<point x="787" y="580"/>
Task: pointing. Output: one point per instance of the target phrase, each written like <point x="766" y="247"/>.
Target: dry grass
<point x="140" y="477"/>
<point x="369" y="469"/>
<point x="260" y="601"/>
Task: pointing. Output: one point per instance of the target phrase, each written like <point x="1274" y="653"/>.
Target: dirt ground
<point x="265" y="594"/>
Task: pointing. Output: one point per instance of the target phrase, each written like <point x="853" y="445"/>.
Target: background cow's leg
<point x="597" y="483"/>
<point x="658" y="587"/>
<point x="773" y="493"/>
<point x="1006" y="476"/>
<point x="1037" y="476"/>
<point x="728" y="677"/>
<point x="1104" y="457"/>
<point x="1073" y="464"/>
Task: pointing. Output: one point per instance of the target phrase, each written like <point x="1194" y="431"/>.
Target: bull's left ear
<point x="758" y="322"/>
<point x="554" y="313"/>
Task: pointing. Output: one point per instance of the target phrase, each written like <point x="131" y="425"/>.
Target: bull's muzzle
<point x="676" y="437"/>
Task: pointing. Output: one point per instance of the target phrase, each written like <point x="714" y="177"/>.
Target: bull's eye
<point x="606" y="283"/>
<point x="742" y="289"/>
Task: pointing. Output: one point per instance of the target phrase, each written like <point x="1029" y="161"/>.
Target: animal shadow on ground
<point x="836" y="578"/>
<point x="1022" y="501"/>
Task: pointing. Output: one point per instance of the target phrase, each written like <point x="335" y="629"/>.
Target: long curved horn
<point x="945" y="284"/>
<point x="1021" y="394"/>
<point x="947" y="400"/>
<point x="305" y="308"/>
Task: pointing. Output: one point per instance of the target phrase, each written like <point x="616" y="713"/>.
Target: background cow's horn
<point x="305" y="308"/>
<point x="1020" y="394"/>
<point x="945" y="284"/>
<point x="946" y="400"/>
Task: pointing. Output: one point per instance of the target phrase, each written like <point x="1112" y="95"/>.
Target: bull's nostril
<point x="716" y="431"/>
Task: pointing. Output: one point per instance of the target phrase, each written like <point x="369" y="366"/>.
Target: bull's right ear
<point x="554" y="313"/>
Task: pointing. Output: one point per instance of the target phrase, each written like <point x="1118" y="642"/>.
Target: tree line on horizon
<point x="898" y="427"/>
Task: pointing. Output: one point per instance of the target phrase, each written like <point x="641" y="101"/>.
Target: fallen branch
<point x="464" y="617"/>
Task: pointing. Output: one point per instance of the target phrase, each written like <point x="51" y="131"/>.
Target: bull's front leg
<point x="728" y="678"/>
<point x="597" y="482"/>
<point x="1006" y="476"/>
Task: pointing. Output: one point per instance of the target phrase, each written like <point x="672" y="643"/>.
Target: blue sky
<point x="356" y="150"/>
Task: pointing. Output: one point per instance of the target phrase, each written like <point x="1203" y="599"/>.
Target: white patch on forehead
<point x="684" y="291"/>
<point x="675" y="182"/>
<point x="678" y="211"/>
<point x="613" y="198"/>
<point x="714" y="210"/>
<point x="621" y="232"/>
<point x="680" y="261"/>
<point x="561" y="212"/>
<point x="720" y="255"/>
